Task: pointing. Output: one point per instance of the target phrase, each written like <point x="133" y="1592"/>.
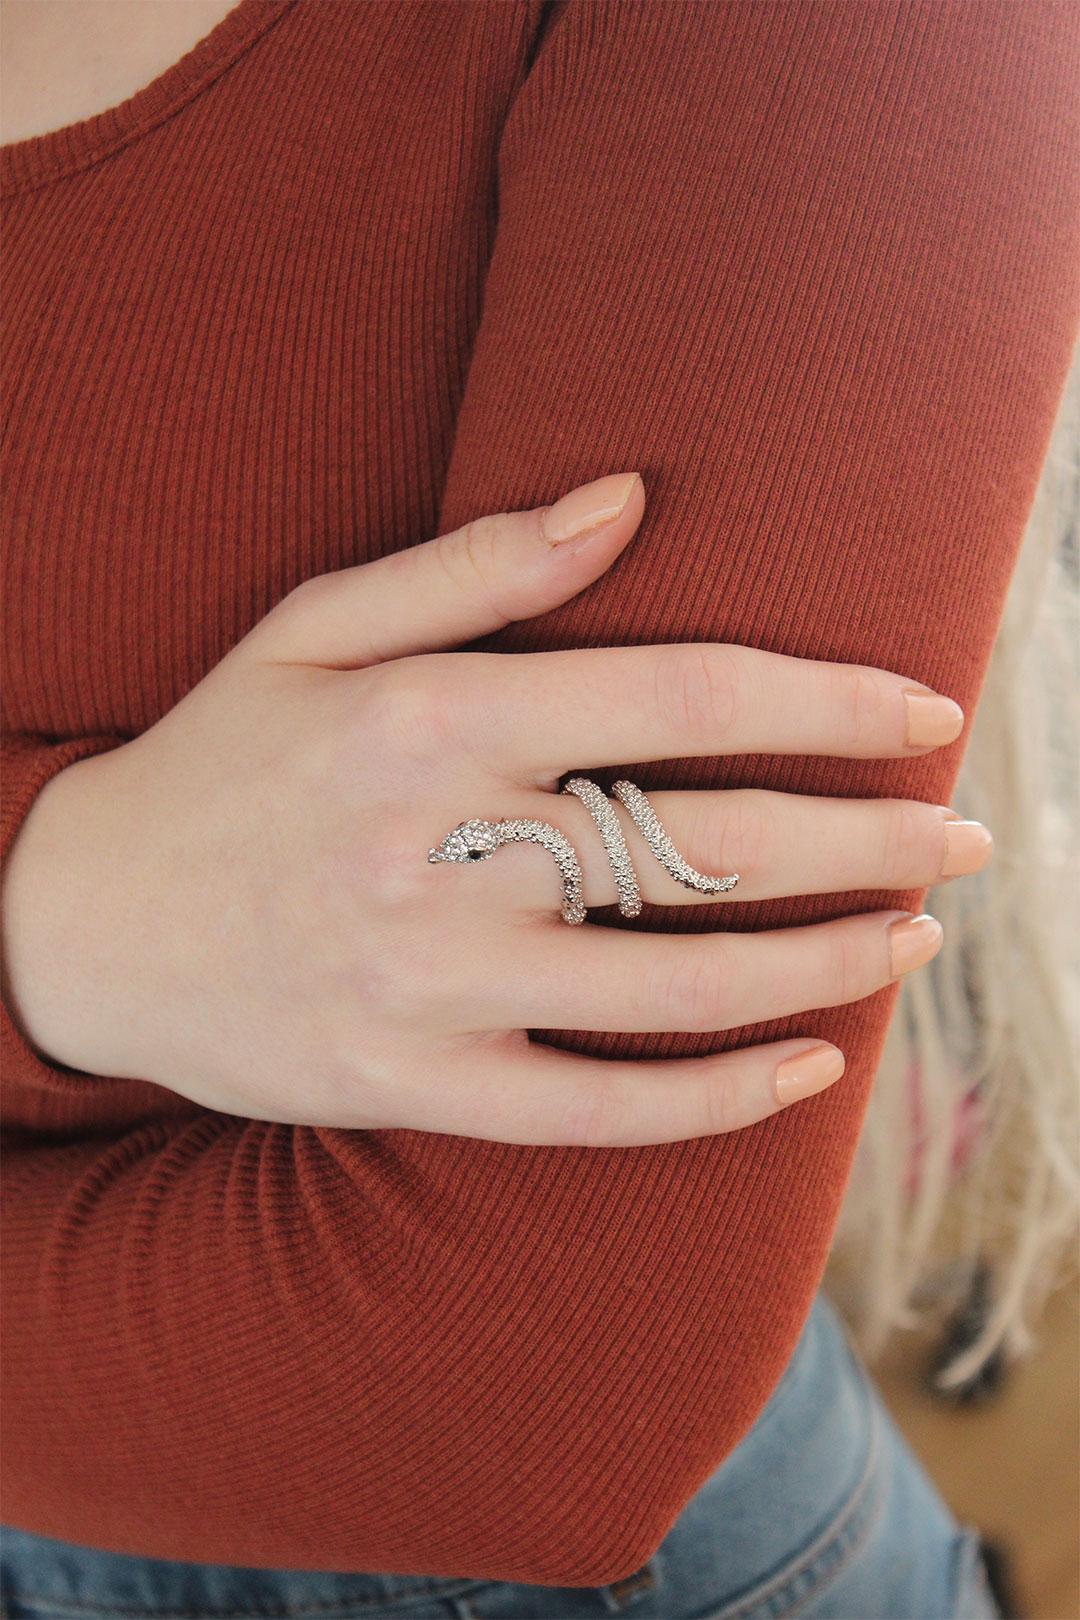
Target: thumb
<point x="511" y="565"/>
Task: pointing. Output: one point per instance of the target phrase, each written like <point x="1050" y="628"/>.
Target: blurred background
<point x="956" y="1262"/>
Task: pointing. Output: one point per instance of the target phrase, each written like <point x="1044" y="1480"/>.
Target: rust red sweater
<point x="347" y="275"/>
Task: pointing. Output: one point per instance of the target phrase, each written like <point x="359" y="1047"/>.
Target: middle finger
<point x="779" y="843"/>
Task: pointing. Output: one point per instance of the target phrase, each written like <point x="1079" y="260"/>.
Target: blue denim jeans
<point x="822" y="1511"/>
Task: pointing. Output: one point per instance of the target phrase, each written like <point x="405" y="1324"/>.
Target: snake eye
<point x="477" y="854"/>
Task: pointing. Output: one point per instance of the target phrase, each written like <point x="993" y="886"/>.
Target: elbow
<point x="598" y="1553"/>
<point x="577" y="1524"/>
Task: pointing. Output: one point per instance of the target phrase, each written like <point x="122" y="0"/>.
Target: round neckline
<point x="37" y="159"/>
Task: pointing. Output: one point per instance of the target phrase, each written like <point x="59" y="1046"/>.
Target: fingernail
<point x="593" y="506"/>
<point x="807" y="1072"/>
<point x="913" y="941"/>
<point x="932" y="719"/>
<point x="968" y="847"/>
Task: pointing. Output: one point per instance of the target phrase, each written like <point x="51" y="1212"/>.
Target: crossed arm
<point x="830" y="321"/>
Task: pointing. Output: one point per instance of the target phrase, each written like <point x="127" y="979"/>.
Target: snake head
<point x="469" y="841"/>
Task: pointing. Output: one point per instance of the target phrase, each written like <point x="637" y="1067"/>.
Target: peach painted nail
<point x="913" y="941"/>
<point x="968" y="847"/>
<point x="807" y="1072"/>
<point x="593" y="506"/>
<point x="932" y="719"/>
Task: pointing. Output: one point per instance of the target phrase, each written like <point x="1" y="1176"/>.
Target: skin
<point x="65" y="60"/>
<point x="240" y="896"/>
<point x="237" y="904"/>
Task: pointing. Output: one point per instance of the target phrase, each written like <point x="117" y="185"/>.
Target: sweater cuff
<point x="28" y="764"/>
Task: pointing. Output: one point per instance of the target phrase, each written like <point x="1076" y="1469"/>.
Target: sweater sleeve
<point x="813" y="270"/>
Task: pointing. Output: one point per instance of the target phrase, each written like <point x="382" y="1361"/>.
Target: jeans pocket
<point x="787" y="1590"/>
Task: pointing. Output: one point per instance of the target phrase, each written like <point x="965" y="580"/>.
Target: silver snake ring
<point x="477" y="840"/>
<point x="651" y="829"/>
<point x="603" y="813"/>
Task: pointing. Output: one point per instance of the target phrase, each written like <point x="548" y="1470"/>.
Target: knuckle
<point x="396" y="867"/>
<point x="746" y="833"/>
<point x="696" y="692"/>
<point x="406" y="711"/>
<point x="311" y="589"/>
<point x="469" y="558"/>
<point x="281" y="619"/>
<point x="358" y="1064"/>
<point x="904" y="852"/>
<point x="397" y="977"/>
<point x="302" y="596"/>
<point x="846" y="965"/>
<point x="689" y="995"/>
<point x="721" y="1102"/>
<point x="859" y="701"/>
<point x="596" y="1116"/>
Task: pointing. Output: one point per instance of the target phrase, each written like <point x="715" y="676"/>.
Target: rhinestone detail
<point x="607" y="821"/>
<point x="652" y="830"/>
<point x="478" y="840"/>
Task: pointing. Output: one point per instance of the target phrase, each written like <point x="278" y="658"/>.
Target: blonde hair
<point x="984" y="1042"/>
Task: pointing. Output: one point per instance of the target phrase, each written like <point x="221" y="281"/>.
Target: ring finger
<point x="635" y="982"/>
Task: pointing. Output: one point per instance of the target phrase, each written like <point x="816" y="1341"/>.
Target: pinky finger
<point x="516" y="1090"/>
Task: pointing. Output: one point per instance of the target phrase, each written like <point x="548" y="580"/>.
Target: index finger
<point x="549" y="712"/>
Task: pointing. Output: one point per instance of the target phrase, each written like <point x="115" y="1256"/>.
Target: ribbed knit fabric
<point x="346" y="276"/>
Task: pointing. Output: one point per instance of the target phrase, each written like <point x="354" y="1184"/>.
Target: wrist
<point x="62" y="936"/>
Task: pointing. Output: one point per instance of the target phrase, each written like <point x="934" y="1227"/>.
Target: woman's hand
<point x="238" y="904"/>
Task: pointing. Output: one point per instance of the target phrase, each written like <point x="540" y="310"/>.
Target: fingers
<point x="614" y="979"/>
<point x="515" y="1090"/>
<point x="546" y="713"/>
<point x="510" y="565"/>
<point x="780" y="844"/>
